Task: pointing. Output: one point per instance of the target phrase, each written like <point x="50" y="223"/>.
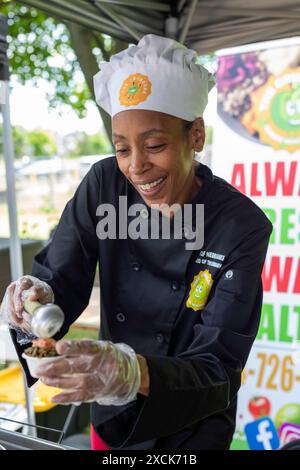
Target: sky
<point x="29" y="109"/>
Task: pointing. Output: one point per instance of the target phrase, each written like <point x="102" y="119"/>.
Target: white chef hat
<point x="158" y="74"/>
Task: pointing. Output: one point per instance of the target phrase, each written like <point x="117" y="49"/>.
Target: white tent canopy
<point x="205" y="25"/>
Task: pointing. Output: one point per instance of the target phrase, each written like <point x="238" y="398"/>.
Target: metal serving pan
<point x="10" y="440"/>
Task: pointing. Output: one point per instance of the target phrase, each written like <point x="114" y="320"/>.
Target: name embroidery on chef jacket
<point x="199" y="291"/>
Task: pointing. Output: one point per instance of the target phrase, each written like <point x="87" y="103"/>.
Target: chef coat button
<point x="120" y="317"/>
<point x="175" y="285"/>
<point x="159" y="337"/>
<point x="144" y="213"/>
<point x="136" y="266"/>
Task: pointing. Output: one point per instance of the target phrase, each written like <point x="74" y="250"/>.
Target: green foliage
<point x="40" y="48"/>
<point x="208" y="135"/>
<point x="31" y="230"/>
<point x="48" y="207"/>
<point x="34" y="143"/>
<point x="209" y="61"/>
<point x="91" y="145"/>
<point x="20" y="141"/>
<point x="41" y="144"/>
<point x="20" y="138"/>
<point x="27" y="230"/>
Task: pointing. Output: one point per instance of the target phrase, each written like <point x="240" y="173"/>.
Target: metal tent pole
<point x="142" y="4"/>
<point x="15" y="252"/>
<point x="118" y="19"/>
<point x="16" y="264"/>
<point x="188" y="20"/>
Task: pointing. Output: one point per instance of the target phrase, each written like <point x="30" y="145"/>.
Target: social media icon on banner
<point x="262" y="435"/>
<point x="288" y="432"/>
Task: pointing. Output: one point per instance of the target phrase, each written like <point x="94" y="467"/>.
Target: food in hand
<point x="42" y="348"/>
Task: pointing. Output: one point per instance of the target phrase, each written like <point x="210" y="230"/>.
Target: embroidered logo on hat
<point x="200" y="289"/>
<point x="135" y="89"/>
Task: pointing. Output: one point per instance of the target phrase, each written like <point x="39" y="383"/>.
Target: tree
<point x="41" y="144"/>
<point x="208" y="135"/>
<point x="20" y="138"/>
<point x="64" y="54"/>
<point x="34" y="143"/>
<point x="84" y="144"/>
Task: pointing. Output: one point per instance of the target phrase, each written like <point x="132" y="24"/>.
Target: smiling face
<point x="155" y="153"/>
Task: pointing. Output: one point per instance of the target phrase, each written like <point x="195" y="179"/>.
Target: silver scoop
<point x="47" y="319"/>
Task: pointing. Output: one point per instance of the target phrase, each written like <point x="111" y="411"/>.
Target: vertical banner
<point x="256" y="148"/>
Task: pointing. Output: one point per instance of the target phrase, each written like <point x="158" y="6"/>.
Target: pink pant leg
<point x="96" y="442"/>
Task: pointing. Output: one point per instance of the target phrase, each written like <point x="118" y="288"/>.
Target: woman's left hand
<point x="88" y="371"/>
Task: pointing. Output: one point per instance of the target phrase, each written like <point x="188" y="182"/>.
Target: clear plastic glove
<point x="88" y="371"/>
<point x="12" y="306"/>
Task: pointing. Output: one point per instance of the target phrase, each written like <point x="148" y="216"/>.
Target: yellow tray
<point x="12" y="390"/>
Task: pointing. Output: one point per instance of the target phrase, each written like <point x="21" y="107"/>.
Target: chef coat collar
<point x="206" y="175"/>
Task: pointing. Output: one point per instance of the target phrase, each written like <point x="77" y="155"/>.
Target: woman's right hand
<point x="25" y="288"/>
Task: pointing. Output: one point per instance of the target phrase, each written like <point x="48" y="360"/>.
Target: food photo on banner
<point x="258" y="116"/>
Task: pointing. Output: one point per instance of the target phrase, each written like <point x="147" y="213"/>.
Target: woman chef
<point x="177" y="324"/>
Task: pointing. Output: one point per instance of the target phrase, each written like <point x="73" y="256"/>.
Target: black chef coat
<point x="195" y="356"/>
